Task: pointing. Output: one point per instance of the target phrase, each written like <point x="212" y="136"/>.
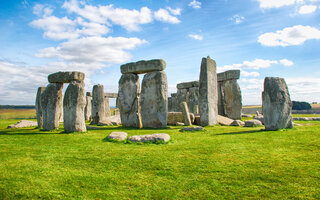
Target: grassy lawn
<point x="217" y="163"/>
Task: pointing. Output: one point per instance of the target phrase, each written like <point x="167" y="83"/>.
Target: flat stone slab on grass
<point x="252" y="123"/>
<point x="66" y="77"/>
<point x="143" y="66"/>
<point x="306" y="118"/>
<point x="150" y="138"/>
<point x="195" y="128"/>
<point x="237" y="123"/>
<point x="118" y="136"/>
<point x="224" y="120"/>
<point x="23" y="123"/>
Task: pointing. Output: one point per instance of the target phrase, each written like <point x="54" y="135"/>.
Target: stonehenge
<point x="148" y="108"/>
<point x="38" y="107"/>
<point x="88" y="107"/>
<point x="99" y="110"/>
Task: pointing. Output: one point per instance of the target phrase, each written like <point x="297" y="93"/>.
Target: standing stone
<point x="51" y="101"/>
<point x="73" y="107"/>
<point x="98" y="105"/>
<point x="220" y="98"/>
<point x="186" y="115"/>
<point x="128" y="100"/>
<point x="193" y="100"/>
<point x="232" y="101"/>
<point x="276" y="104"/>
<point x="154" y="100"/>
<point x="208" y="92"/>
<point x="38" y="107"/>
<point x="107" y="106"/>
<point x="88" y="108"/>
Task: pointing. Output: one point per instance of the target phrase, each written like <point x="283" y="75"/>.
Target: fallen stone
<point x="174" y="117"/>
<point x="179" y="124"/>
<point x="23" y="123"/>
<point x="38" y="107"/>
<point x="276" y="104"/>
<point x="194" y="128"/>
<point x="237" y="123"/>
<point x="66" y="77"/>
<point x="150" y="138"/>
<point x="187" y="85"/>
<point x="252" y="123"/>
<point x="229" y="75"/>
<point x="224" y="120"/>
<point x="118" y="136"/>
<point x="306" y="118"/>
<point x="259" y="117"/>
<point x="186" y="114"/>
<point x="143" y="66"/>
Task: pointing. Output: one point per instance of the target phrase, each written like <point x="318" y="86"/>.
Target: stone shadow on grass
<point x="241" y="132"/>
<point x="32" y="131"/>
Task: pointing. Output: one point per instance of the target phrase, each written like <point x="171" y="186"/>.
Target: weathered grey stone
<point x="182" y="95"/>
<point x="128" y="100"/>
<point x="208" y="92"/>
<point x="306" y="118"/>
<point x="173" y="105"/>
<point x="220" y="98"/>
<point x="23" y="124"/>
<point x="143" y="66"/>
<point x="276" y="104"/>
<point x="65" y="77"/>
<point x="173" y="94"/>
<point x="197" y="120"/>
<point x="74" y="102"/>
<point x="229" y="75"/>
<point x="88" y="108"/>
<point x="38" y="106"/>
<point x="186" y="114"/>
<point x="237" y="123"/>
<point x="179" y="124"/>
<point x="107" y="106"/>
<point x="115" y="119"/>
<point x="259" y="117"/>
<point x="154" y="100"/>
<point x="89" y="94"/>
<point x="252" y="123"/>
<point x="51" y="104"/>
<point x="187" y="85"/>
<point x="232" y="100"/>
<point x="150" y="138"/>
<point x="98" y="106"/>
<point x="224" y="120"/>
<point x="194" y="128"/>
<point x="174" y="117"/>
<point x="111" y="95"/>
<point x="118" y="136"/>
<point x="193" y="100"/>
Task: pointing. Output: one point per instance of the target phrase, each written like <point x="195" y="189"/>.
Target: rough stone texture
<point x="187" y="85"/>
<point x="38" y="106"/>
<point x="276" y="104"/>
<point x="259" y="117"/>
<point x="150" y="138"/>
<point x="174" y="94"/>
<point x="143" y="66"/>
<point x="23" y="123"/>
<point x="107" y="106"/>
<point x="111" y="95"/>
<point x="193" y="102"/>
<point x="224" y="120"/>
<point x="65" y="77"/>
<point x="74" y="102"/>
<point x="208" y="92"/>
<point x="89" y="94"/>
<point x="174" y="117"/>
<point x="182" y="95"/>
<point x="51" y="104"/>
<point x="118" y="136"/>
<point x="194" y="128"/>
<point x="306" y="118"/>
<point x="252" y="123"/>
<point x="115" y="119"/>
<point x="229" y="75"/>
<point x="197" y="120"/>
<point x="154" y="100"/>
<point x="237" y="123"/>
<point x="246" y="115"/>
<point x="88" y="108"/>
<point x="186" y="114"/>
<point x="98" y="105"/>
<point x="232" y="100"/>
<point x="128" y="100"/>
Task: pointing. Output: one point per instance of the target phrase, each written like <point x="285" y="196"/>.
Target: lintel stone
<point x="187" y="85"/>
<point x="143" y="66"/>
<point x="66" y="77"/>
<point x="229" y="75"/>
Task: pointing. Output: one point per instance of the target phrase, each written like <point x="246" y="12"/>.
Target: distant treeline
<point x="17" y="107"/>
<point x="301" y="105"/>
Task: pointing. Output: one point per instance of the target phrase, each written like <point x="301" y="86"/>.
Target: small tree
<point x="301" y="105"/>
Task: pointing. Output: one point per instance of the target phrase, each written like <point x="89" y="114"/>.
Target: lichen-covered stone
<point x="88" y="108"/>
<point x="154" y="100"/>
<point x="118" y="136"/>
<point x="276" y="104"/>
<point x="111" y="95"/>
<point x="224" y="120"/>
<point x="163" y="137"/>
<point x="186" y="114"/>
<point x="252" y="123"/>
<point x="187" y="85"/>
<point x="98" y="105"/>
<point x="194" y="128"/>
<point x="143" y="66"/>
<point x="38" y="106"/>
<point x="66" y="77"/>
<point x="229" y="75"/>
<point x="232" y="100"/>
<point x="174" y="117"/>
<point x="74" y="102"/>
<point x="193" y="100"/>
<point x="23" y="124"/>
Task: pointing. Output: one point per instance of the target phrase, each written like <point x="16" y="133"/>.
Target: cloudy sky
<point x="260" y="37"/>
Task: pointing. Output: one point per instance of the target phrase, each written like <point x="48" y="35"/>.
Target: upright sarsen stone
<point x="193" y="102"/>
<point x="154" y="100"/>
<point x="73" y="107"/>
<point x="88" y="108"/>
<point x="38" y="106"/>
<point x="51" y="104"/>
<point x="208" y="92"/>
<point x="232" y="100"/>
<point x="276" y="104"/>
<point x="98" y="113"/>
<point x="128" y="100"/>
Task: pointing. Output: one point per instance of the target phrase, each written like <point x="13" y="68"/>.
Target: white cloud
<point x="93" y="49"/>
<point x="275" y="3"/>
<point x="195" y="36"/>
<point x="307" y="9"/>
<point x="176" y="11"/>
<point x="289" y="36"/>
<point x="246" y="74"/>
<point x="286" y="62"/>
<point x="255" y="64"/>
<point x="195" y="4"/>
<point x="164" y="15"/>
<point x="237" y="19"/>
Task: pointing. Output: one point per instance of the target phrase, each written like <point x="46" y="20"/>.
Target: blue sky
<point x="260" y="37"/>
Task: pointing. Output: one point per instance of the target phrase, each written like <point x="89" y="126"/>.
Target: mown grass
<point x="17" y="113"/>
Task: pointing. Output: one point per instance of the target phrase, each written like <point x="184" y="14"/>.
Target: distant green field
<point x="218" y="163"/>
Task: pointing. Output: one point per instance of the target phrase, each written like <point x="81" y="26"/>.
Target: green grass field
<point x="217" y="163"/>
